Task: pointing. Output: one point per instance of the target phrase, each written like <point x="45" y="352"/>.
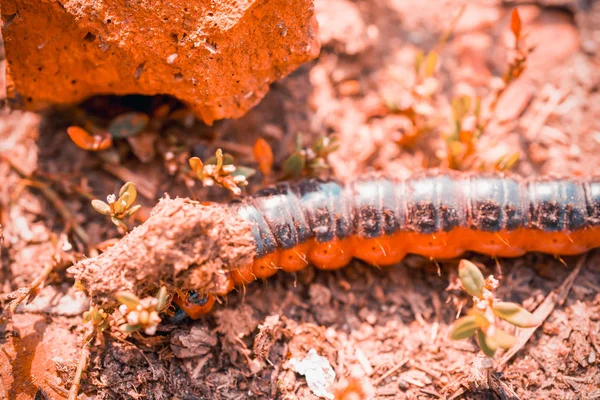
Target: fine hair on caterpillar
<point x="434" y="214"/>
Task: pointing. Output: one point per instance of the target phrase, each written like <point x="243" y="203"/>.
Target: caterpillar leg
<point x="195" y="305"/>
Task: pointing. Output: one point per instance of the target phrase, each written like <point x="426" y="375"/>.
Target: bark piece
<point x="184" y="243"/>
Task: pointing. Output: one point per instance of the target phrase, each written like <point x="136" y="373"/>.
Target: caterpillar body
<point x="433" y="214"/>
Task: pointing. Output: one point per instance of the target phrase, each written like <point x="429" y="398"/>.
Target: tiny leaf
<point x="219" y="156"/>
<point x="480" y="320"/>
<point x="299" y="142"/>
<point x="515" y="314"/>
<point x="80" y="137"/>
<point x="133" y="210"/>
<point x="101" y="207"/>
<point x="196" y="166"/>
<point x="130" y="188"/>
<point x="84" y="140"/>
<point x="430" y="63"/>
<point x="294" y="164"/>
<point x="263" y="153"/>
<point x="128" y="299"/>
<point x="471" y="278"/>
<point x="130" y="328"/>
<point x="87" y="317"/>
<point x="515" y="24"/>
<point x="227" y="160"/>
<point x="246" y="172"/>
<point x="162" y="297"/>
<point x="463" y="328"/>
<point x="419" y="57"/>
<point x="487" y="346"/>
<point x="128" y="124"/>
<point x="121" y="203"/>
<point x="502" y="339"/>
<point x="118" y="223"/>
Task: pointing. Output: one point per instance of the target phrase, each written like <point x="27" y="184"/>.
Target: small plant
<point x="263" y="154"/>
<point x="142" y="314"/>
<point x="97" y="317"/>
<point x="311" y="160"/>
<point x="517" y="64"/>
<point x="119" y="208"/>
<point x="123" y="126"/>
<point x="92" y="142"/>
<point x="467" y="128"/>
<point x="418" y="108"/>
<point x="221" y="170"/>
<point x="482" y="319"/>
<point x="506" y="162"/>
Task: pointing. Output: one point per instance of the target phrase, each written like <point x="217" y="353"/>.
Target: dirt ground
<point x="384" y="332"/>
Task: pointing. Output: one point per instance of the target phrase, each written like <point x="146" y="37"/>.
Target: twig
<point x="364" y="361"/>
<point x="23" y="293"/>
<point x="51" y="195"/>
<point x="459" y="392"/>
<point x="428" y="371"/>
<point x="557" y="296"/>
<point x="64" y="211"/>
<point x="501" y="388"/>
<point x="82" y="365"/>
<point x="144" y="187"/>
<point x="390" y="372"/>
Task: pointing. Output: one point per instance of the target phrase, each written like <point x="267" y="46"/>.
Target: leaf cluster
<point x="221" y="170"/>
<point x="97" y="317"/>
<point x="142" y="314"/>
<point x="310" y="161"/>
<point x="482" y="320"/>
<point x="119" y="208"/>
<point x="92" y="137"/>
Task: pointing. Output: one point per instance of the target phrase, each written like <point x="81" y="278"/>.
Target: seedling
<point x="482" y="319"/>
<point x="519" y="58"/>
<point x="221" y="170"/>
<point x="119" y="208"/>
<point x="263" y="154"/>
<point x="419" y="108"/>
<point x="92" y="142"/>
<point x="312" y="160"/>
<point x="142" y="314"/>
<point x="97" y="317"/>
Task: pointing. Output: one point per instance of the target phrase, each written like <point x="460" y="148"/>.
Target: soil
<point x="384" y="332"/>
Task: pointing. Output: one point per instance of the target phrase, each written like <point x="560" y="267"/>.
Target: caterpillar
<point x="433" y="214"/>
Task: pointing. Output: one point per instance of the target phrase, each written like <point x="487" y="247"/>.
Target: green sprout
<point x="142" y="314"/>
<point x="311" y="160"/>
<point x="482" y="319"/>
<point x="97" y="317"/>
<point x="221" y="170"/>
<point x="121" y="208"/>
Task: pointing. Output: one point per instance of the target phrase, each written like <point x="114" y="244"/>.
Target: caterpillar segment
<point x="437" y="215"/>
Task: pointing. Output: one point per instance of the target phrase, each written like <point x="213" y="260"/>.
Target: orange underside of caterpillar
<point x="389" y="250"/>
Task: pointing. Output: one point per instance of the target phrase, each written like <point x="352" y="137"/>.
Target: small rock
<point x="347" y="34"/>
<point x="318" y="372"/>
<point x="219" y="57"/>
